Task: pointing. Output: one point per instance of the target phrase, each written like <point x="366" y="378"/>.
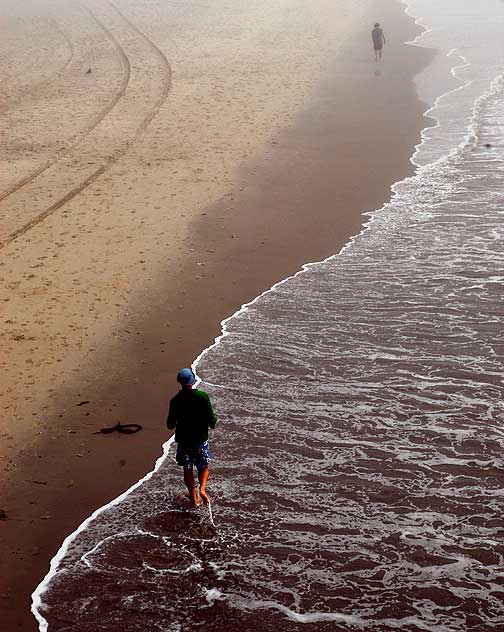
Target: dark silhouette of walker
<point x="378" y="38"/>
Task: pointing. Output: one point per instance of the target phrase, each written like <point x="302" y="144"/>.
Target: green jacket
<point x="191" y="414"/>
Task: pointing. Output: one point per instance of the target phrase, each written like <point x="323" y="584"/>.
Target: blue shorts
<point x="189" y="455"/>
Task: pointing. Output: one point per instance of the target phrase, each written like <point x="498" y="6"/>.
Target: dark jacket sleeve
<point x="212" y="419"/>
<point x="172" y="418"/>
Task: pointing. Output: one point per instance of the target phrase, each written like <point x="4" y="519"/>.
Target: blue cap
<point x="186" y="377"/>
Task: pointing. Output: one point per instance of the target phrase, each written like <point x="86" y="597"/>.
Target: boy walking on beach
<point x="378" y="38"/>
<point x="191" y="414"/>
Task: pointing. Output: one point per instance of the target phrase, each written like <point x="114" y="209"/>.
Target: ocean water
<point x="358" y="478"/>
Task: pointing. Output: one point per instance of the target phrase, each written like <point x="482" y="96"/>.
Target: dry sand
<point x="209" y="152"/>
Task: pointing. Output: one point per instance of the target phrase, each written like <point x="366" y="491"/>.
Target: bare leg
<point x="191" y="487"/>
<point x="203" y="478"/>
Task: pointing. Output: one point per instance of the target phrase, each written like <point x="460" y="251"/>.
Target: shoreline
<point x="263" y="192"/>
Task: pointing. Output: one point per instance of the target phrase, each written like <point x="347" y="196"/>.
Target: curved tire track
<point x="125" y="64"/>
<point x="34" y="66"/>
<point x="164" y="60"/>
<point x="166" y="86"/>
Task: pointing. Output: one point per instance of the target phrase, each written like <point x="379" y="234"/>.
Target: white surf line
<point x="210" y="513"/>
<point x="53" y="569"/>
<point x="471" y="136"/>
<point x="495" y="85"/>
<point x="316" y="617"/>
<point x="419" y="21"/>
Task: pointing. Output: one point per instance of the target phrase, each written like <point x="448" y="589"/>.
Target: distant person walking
<point x="378" y="40"/>
<point x="191" y="414"/>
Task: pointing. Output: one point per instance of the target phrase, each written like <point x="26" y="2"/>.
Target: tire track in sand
<point x="136" y="40"/>
<point x="34" y="66"/>
<point x="157" y="51"/>
<point x="126" y="66"/>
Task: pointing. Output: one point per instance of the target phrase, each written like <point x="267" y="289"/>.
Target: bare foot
<point x="204" y="497"/>
<point x="196" y="502"/>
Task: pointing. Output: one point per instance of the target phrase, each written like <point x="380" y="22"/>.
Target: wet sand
<point x="210" y="177"/>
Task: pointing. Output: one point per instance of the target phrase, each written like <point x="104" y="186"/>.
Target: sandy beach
<point x="164" y="163"/>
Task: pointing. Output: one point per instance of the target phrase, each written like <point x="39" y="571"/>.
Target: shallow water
<point x="358" y="471"/>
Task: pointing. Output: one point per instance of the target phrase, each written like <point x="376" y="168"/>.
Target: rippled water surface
<point x="358" y="475"/>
